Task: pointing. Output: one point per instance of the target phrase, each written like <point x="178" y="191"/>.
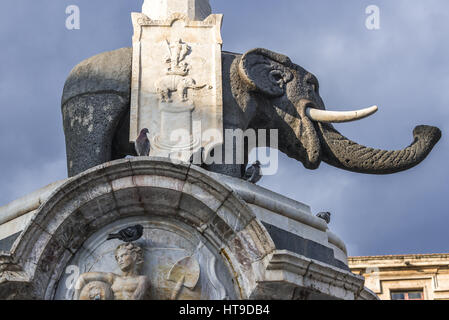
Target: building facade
<point x="405" y="277"/>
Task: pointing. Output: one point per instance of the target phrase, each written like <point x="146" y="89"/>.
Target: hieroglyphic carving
<point x="171" y="83"/>
<point x="176" y="84"/>
<point x="176" y="76"/>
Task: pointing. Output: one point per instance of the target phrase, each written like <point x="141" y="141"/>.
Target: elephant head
<point x="281" y="95"/>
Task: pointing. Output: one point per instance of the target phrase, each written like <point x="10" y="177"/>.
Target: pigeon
<point x="326" y="216"/>
<point x="129" y="234"/>
<point x="253" y="174"/>
<point x="142" y="144"/>
<point x="197" y="157"/>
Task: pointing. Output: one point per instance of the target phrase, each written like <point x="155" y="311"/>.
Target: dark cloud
<point x="402" y="67"/>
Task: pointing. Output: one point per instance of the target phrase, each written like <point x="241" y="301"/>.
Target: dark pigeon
<point x="129" y="234"/>
<point x="326" y="216"/>
<point x="142" y="144"/>
<point x="197" y="157"/>
<point x="253" y="174"/>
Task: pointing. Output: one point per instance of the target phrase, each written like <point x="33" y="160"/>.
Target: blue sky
<point x="403" y="68"/>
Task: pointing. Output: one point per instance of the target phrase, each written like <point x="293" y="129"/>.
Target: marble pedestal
<point x="248" y="242"/>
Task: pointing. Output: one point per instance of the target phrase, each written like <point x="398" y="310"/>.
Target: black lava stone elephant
<point x="261" y="90"/>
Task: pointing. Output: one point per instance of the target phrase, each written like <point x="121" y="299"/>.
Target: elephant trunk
<point x="343" y="153"/>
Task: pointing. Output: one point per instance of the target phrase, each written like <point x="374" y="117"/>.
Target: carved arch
<point x="128" y="188"/>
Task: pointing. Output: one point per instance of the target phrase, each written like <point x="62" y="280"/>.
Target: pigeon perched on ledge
<point x="198" y="157"/>
<point x="326" y="216"/>
<point x="142" y="144"/>
<point x="253" y="174"/>
<point x="129" y="234"/>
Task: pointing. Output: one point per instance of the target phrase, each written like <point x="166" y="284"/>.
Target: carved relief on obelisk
<point x="176" y="80"/>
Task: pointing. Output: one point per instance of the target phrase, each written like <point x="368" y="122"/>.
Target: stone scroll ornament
<point x="130" y="285"/>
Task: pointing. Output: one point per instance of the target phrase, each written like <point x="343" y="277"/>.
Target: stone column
<point x="161" y="9"/>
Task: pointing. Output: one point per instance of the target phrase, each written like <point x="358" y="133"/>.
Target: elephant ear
<point x="266" y="71"/>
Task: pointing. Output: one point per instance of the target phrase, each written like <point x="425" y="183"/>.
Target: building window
<point x="407" y="295"/>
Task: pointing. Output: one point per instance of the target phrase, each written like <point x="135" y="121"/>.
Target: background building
<point x="405" y="277"/>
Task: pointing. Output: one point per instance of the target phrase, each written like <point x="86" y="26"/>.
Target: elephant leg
<point x="184" y="94"/>
<point x="90" y="124"/>
<point x="121" y="147"/>
<point x="167" y="96"/>
<point x="217" y="160"/>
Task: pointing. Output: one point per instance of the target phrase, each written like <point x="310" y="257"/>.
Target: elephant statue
<point x="261" y="90"/>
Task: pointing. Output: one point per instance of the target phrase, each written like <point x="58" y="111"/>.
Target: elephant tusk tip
<point x="369" y="111"/>
<point x="340" y="116"/>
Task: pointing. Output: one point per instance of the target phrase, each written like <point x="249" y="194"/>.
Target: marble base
<point x="248" y="242"/>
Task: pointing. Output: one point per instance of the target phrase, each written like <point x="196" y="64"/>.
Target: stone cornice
<point x="409" y="261"/>
<point x="293" y="271"/>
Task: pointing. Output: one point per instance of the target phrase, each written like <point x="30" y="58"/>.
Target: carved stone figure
<point x="261" y="90"/>
<point x="110" y="286"/>
<point x="178" y="52"/>
<point x="176" y="79"/>
<point x="185" y="273"/>
<point x="175" y="83"/>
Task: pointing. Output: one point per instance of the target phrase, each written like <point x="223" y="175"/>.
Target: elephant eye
<point x="277" y="76"/>
<point x="313" y="82"/>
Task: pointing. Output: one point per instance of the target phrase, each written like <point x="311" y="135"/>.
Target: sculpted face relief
<point x="125" y="259"/>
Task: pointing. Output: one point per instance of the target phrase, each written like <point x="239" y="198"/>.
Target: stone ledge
<point x="272" y="201"/>
<point x="396" y="261"/>
<point x="294" y="243"/>
<point x="294" y="217"/>
<point x="7" y="243"/>
<point x="27" y="203"/>
<point x="287" y="214"/>
<point x="292" y="276"/>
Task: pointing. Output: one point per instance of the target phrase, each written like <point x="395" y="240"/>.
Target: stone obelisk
<point x="176" y="89"/>
<point x="197" y="10"/>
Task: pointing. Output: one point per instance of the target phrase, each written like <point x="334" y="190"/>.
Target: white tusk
<point x="339" y="116"/>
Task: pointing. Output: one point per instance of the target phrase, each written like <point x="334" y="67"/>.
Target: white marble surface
<point x="14" y="226"/>
<point x="161" y="9"/>
<point x="176" y="89"/>
<point x="185" y="212"/>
